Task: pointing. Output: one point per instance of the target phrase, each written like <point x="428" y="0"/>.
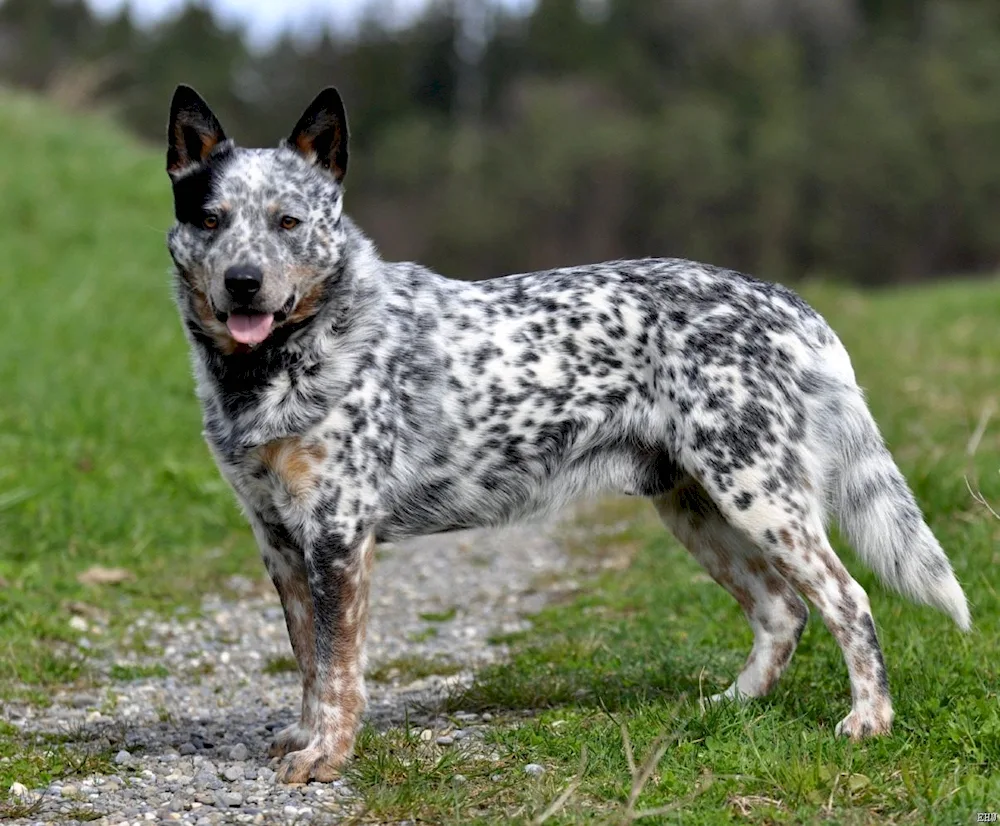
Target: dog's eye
<point x="288" y="222"/>
<point x="210" y="221"/>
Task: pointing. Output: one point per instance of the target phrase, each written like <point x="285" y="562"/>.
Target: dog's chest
<point x="280" y="476"/>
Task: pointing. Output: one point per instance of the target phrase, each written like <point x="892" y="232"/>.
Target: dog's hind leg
<point x="775" y="612"/>
<point x="287" y="569"/>
<point x="785" y="521"/>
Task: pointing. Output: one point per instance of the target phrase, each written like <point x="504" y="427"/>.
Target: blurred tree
<point x="855" y="138"/>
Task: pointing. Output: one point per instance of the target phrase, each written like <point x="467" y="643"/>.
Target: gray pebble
<point x="232" y="799"/>
<point x="186" y="748"/>
<point x="233" y="773"/>
<point x="123" y="757"/>
<point x="239" y="752"/>
<point x="534" y="769"/>
<point x="445" y="740"/>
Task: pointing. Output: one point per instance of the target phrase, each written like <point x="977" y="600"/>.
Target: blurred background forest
<point x="853" y="139"/>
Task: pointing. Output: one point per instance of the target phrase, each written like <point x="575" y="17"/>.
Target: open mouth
<point x="251" y="327"/>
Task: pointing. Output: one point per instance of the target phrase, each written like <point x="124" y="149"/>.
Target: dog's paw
<point x="310" y="763"/>
<point x="730" y="695"/>
<point x="863" y="723"/>
<point x="291" y="738"/>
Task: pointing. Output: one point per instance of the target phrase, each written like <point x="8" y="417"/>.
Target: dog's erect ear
<point x="321" y="133"/>
<point x="194" y="131"/>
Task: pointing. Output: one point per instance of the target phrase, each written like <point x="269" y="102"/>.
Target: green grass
<point x="409" y="668"/>
<point x="281" y="665"/>
<point x="101" y="464"/>
<point x="40" y="759"/>
<point x="440" y="616"/>
<point x="128" y="673"/>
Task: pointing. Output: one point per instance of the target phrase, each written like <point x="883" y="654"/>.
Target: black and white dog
<point x="349" y="400"/>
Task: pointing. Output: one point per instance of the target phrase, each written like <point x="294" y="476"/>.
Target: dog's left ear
<point x="321" y="133"/>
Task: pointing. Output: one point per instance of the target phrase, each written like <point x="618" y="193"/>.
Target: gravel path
<point x="193" y="744"/>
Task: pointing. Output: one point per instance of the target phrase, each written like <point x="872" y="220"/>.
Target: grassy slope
<point x="100" y="463"/>
<point x="100" y="458"/>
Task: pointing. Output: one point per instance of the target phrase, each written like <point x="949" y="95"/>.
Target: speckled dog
<point x="349" y="400"/>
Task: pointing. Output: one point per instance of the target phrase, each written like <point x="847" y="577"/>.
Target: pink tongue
<point x="250" y="329"/>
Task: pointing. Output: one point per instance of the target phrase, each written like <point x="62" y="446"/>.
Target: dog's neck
<point x="291" y="372"/>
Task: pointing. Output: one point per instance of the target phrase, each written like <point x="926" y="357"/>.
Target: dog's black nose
<point x="243" y="282"/>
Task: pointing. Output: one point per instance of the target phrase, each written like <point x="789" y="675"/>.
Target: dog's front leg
<point x="287" y="566"/>
<point x="338" y="564"/>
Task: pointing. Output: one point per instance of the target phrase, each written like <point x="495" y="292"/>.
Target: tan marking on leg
<point x="812" y="567"/>
<point x="341" y="696"/>
<point x="775" y="612"/>
<point x="296" y="601"/>
<point x="294" y="462"/>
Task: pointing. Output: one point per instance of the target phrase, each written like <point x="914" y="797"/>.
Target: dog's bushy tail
<point x="879" y="515"/>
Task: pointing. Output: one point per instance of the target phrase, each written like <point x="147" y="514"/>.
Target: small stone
<point x="122" y="758"/>
<point x="205" y="780"/>
<point x="233" y="773"/>
<point x="232" y="799"/>
<point x="426" y="735"/>
<point x="445" y="740"/>
<point x="69" y="790"/>
<point x="534" y="769"/>
<point x="459" y="734"/>
<point x="18" y="790"/>
<point x="458" y="779"/>
<point x="186" y="748"/>
<point x="496" y="778"/>
<point x="239" y="752"/>
<point x="487" y="717"/>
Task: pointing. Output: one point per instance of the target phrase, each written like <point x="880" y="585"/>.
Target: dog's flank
<point x="349" y="400"/>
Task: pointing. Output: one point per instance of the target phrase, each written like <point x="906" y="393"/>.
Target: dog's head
<point x="258" y="231"/>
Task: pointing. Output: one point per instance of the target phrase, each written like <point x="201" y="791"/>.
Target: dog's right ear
<point x="193" y="132"/>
